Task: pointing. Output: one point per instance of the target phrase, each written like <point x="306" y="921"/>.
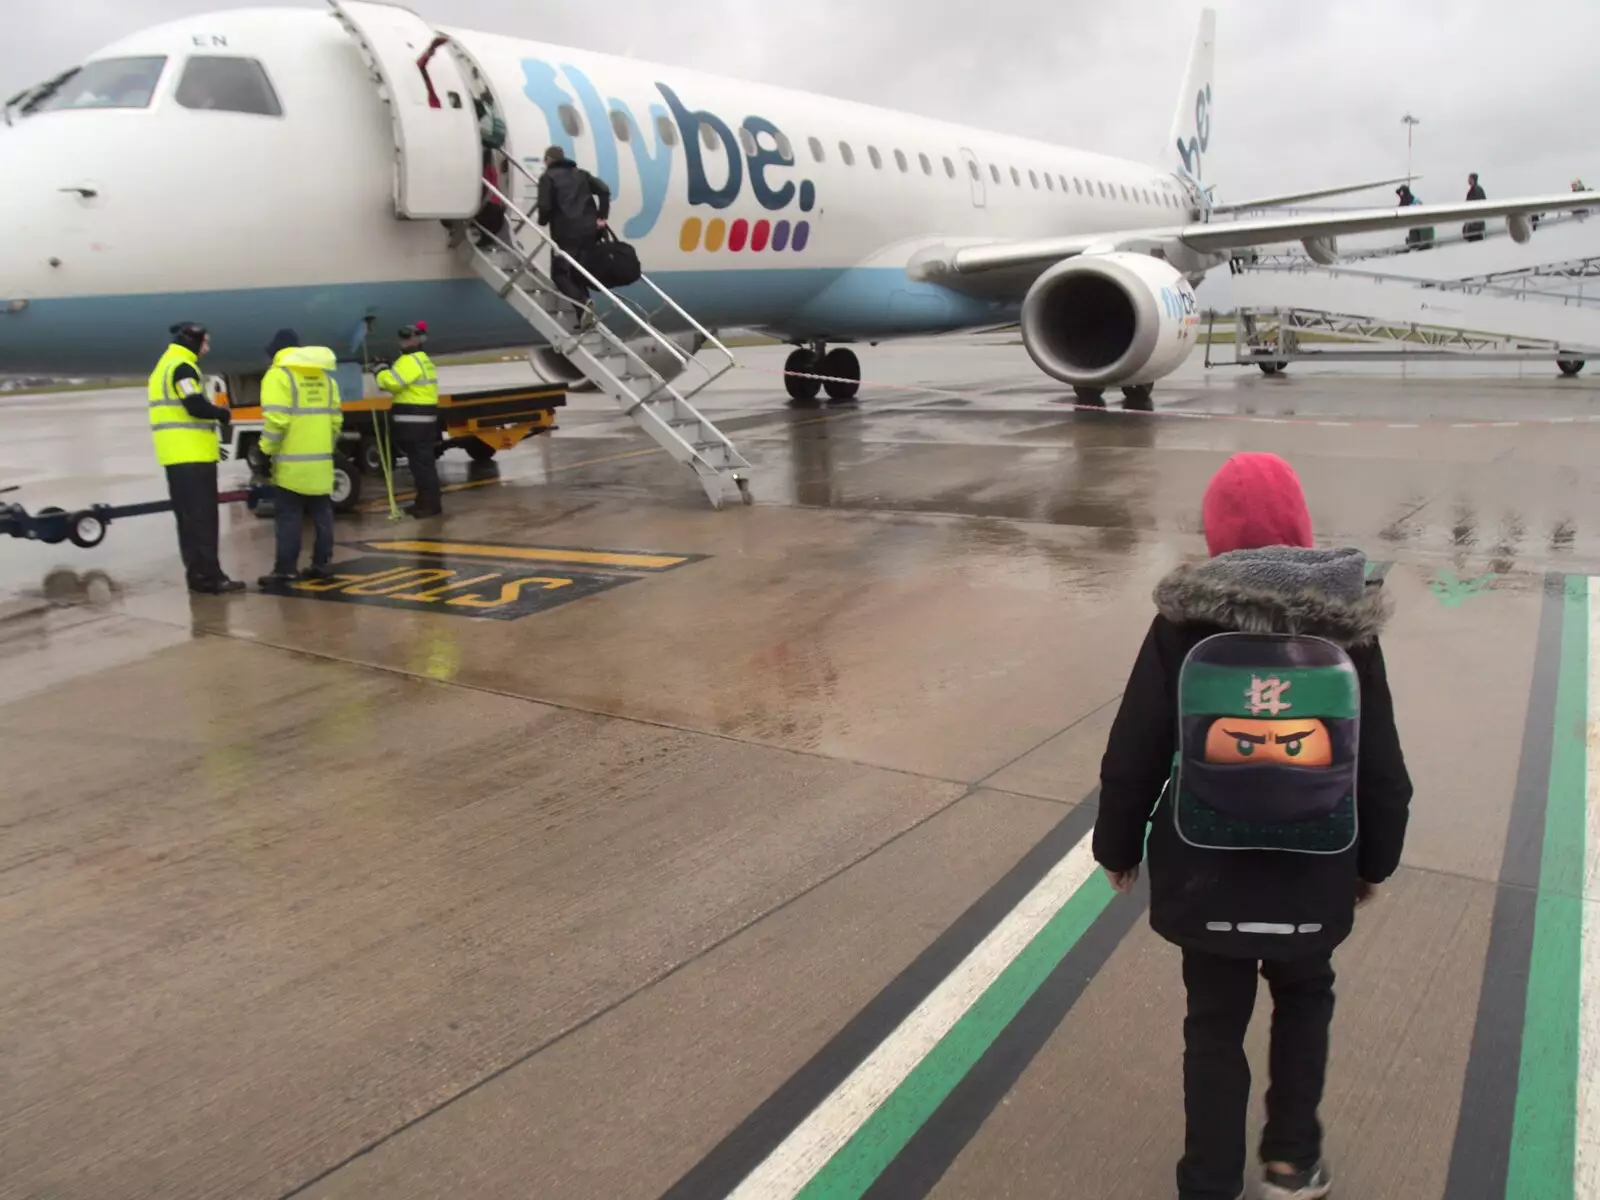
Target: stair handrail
<point x="711" y="339"/>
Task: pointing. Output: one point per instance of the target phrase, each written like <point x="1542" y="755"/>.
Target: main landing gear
<point x="1135" y="398"/>
<point x="840" y="365"/>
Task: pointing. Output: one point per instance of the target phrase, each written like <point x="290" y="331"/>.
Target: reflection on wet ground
<point x="579" y="843"/>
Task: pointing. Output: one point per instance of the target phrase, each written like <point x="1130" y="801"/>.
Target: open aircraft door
<point x="438" y="163"/>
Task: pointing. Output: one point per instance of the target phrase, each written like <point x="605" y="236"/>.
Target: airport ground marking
<point x="1555" y="1114"/>
<point x="1453" y="591"/>
<point x="1586" y="1134"/>
<point x="845" y="1143"/>
<point x="622" y="560"/>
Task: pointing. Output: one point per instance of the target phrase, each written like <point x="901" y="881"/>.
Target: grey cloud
<point x="1305" y="95"/>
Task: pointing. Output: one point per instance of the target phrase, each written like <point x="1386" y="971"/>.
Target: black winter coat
<point x="1192" y="887"/>
<point x="572" y="202"/>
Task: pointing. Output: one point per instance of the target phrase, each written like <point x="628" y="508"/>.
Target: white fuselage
<point x="249" y="223"/>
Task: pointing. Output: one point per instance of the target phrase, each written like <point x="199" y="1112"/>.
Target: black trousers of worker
<point x="417" y="440"/>
<point x="193" y="489"/>
<point x="1216" y="1075"/>
<point x="569" y="282"/>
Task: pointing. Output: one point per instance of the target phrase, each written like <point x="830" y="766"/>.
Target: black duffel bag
<point x="612" y="261"/>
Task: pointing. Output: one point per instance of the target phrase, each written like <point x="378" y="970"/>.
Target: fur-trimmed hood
<point x="1278" y="589"/>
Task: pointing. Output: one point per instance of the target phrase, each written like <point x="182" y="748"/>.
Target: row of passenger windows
<point x="622" y="126"/>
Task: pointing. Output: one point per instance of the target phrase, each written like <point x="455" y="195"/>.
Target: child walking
<point x="1256" y="744"/>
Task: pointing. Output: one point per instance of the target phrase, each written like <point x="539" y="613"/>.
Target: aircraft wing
<point x="1318" y="194"/>
<point x="1221" y="236"/>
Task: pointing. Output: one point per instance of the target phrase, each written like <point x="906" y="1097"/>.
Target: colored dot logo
<point x="741" y="235"/>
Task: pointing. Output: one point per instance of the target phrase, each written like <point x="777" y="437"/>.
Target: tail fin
<point x="1191" y="126"/>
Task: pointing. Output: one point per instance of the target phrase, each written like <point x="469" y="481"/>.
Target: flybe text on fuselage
<point x="724" y="162"/>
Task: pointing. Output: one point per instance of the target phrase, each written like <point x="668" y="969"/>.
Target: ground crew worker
<point x="301" y="420"/>
<point x="413" y="381"/>
<point x="189" y="432"/>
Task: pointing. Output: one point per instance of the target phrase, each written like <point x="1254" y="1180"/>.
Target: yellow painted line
<point x="550" y="554"/>
<point x="382" y="505"/>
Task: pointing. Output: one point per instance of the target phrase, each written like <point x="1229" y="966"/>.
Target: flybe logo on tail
<point x="1192" y="150"/>
<point x="725" y="163"/>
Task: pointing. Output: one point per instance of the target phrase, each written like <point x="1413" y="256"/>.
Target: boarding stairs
<point x="517" y="265"/>
<point x="1527" y="311"/>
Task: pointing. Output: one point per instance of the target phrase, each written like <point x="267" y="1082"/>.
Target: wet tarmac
<point x="588" y="842"/>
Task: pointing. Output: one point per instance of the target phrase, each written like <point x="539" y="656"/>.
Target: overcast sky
<point x="1306" y="94"/>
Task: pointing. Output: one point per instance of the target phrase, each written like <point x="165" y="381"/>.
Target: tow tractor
<point x="482" y="423"/>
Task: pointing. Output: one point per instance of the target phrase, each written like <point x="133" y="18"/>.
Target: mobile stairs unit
<point x="609" y="361"/>
<point x="1366" y="316"/>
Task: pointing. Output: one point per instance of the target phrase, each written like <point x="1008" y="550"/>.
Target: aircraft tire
<point x="1570" y="366"/>
<point x="1139" y="398"/>
<point x="845" y="365"/>
<point x="801" y="391"/>
<point x="1089" y="397"/>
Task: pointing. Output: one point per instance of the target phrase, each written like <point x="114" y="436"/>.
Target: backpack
<point x="612" y="261"/>
<point x="1239" y="780"/>
<point x="492" y="130"/>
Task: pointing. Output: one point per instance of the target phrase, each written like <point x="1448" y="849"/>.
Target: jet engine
<point x="558" y="368"/>
<point x="1109" y="320"/>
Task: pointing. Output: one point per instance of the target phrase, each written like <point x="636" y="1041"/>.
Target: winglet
<point x="1190" y="139"/>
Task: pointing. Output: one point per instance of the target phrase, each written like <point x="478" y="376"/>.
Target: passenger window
<point x="747" y="140"/>
<point x="571" y="122"/>
<point x="1124" y="191"/>
<point x="1077" y="185"/>
<point x="927" y="165"/>
<point x="877" y="159"/>
<point x="847" y="154"/>
<point x="784" y="146"/>
<point x="220" y="84"/>
<point x="668" y="131"/>
<point x="1102" y="188"/>
<point x="106" y="83"/>
<point x="994" y="171"/>
<point x="620" y="126"/>
<point x="900" y="160"/>
<point x="816" y="150"/>
<point x="1033" y="179"/>
<point x="972" y="169"/>
<point x="1016" y="177"/>
<point x="708" y="137"/>
<point x="1049" y="181"/>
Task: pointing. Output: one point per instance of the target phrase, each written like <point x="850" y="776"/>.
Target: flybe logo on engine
<point x="1178" y="301"/>
<point x="724" y="163"/>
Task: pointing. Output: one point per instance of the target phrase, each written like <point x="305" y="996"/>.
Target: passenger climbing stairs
<point x="517" y="266"/>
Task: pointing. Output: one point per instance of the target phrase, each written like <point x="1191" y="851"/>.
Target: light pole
<point x="1410" y="123"/>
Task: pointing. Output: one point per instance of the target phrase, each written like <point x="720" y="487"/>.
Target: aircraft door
<point x="974" y="170"/>
<point x="438" y="162"/>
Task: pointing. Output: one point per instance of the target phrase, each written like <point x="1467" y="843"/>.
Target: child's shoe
<point x="1311" y="1184"/>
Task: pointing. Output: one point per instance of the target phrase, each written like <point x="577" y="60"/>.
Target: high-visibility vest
<point x="179" y="438"/>
<point x="301" y="418"/>
<point x="414" y="383"/>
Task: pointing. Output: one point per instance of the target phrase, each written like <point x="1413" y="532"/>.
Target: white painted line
<point x="1333" y="424"/>
<point x="1404" y="426"/>
<point x="787" y="1170"/>
<point x="1586" y="1158"/>
<point x="1504" y="424"/>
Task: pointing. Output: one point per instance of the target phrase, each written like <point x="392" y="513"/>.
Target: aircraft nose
<point x="45" y="256"/>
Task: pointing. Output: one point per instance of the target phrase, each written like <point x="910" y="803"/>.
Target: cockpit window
<point x="104" y="83"/>
<point x="226" y="84"/>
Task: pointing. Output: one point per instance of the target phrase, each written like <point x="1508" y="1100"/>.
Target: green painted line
<point x="1544" y="1129"/>
<point x="850" y="1172"/>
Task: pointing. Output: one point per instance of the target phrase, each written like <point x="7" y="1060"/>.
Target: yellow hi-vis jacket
<point x="301" y="417"/>
<point x="179" y="438"/>
<point x="413" y="381"/>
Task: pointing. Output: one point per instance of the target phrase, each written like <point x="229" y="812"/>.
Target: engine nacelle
<point x="1107" y="320"/>
<point x="1324" y="251"/>
<point x="558" y="368"/>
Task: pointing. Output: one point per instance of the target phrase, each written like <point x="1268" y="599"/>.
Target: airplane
<point x="267" y="168"/>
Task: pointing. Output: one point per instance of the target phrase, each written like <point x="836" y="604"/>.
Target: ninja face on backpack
<point x="1267" y="748"/>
